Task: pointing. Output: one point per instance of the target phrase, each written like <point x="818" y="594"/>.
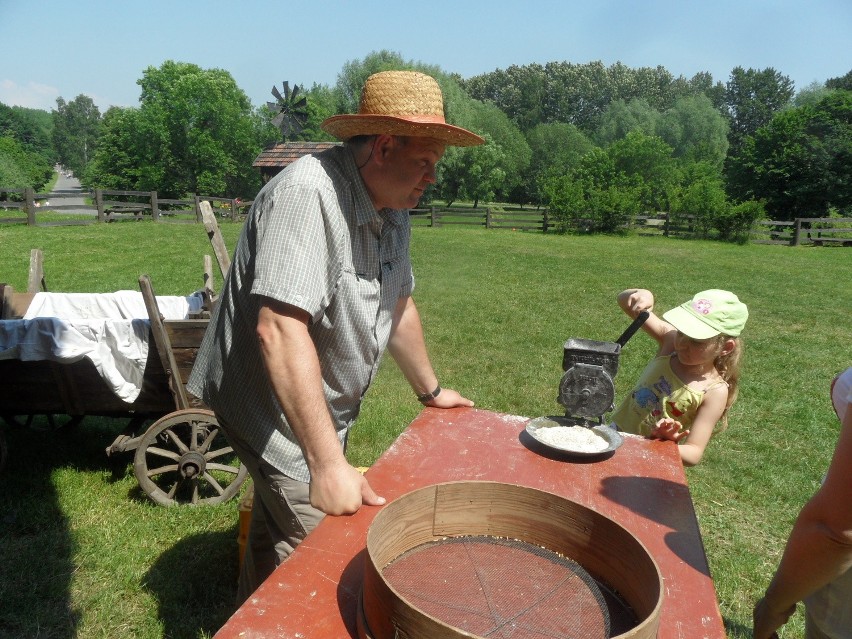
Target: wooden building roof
<point x="279" y="155"/>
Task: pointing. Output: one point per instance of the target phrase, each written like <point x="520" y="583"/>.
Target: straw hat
<point x="400" y="103"/>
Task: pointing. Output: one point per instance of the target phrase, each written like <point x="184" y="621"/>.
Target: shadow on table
<point x="643" y="496"/>
<point x="349" y="592"/>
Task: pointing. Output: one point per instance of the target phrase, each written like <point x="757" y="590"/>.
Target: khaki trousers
<point x="281" y="517"/>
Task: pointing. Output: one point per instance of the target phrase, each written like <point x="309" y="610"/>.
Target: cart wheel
<point x="184" y="458"/>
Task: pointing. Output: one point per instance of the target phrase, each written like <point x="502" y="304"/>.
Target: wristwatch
<point x="429" y="396"/>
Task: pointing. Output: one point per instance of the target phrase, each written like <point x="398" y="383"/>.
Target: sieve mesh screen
<point x="507" y="589"/>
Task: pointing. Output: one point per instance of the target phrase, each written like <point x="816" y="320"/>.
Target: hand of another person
<point x="448" y="398"/>
<point x="341" y="490"/>
<point x="668" y="428"/>
<point x="766" y="622"/>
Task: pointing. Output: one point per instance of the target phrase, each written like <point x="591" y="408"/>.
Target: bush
<point x="735" y="222"/>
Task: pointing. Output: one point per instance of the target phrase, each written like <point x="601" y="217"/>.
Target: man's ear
<point x="382" y="148"/>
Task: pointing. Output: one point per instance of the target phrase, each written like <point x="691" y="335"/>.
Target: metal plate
<point x="535" y="426"/>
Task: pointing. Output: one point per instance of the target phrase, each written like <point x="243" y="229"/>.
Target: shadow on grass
<point x="195" y="584"/>
<point x="36" y="546"/>
<point x="734" y="630"/>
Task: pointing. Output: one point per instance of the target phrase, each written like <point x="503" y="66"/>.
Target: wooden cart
<point x="183" y="457"/>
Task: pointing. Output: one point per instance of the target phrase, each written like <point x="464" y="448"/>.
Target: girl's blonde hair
<point x="728" y="367"/>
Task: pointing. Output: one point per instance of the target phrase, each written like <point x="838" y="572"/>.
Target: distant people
<point x="319" y="286"/>
<point x="692" y="382"/>
<point x="816" y="566"/>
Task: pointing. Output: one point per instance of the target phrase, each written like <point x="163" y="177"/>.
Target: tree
<point x="509" y="152"/>
<point x="800" y="163"/>
<point x="647" y="160"/>
<point x="701" y="196"/>
<point x="555" y="149"/>
<point x="473" y="173"/>
<point x="843" y="82"/>
<point x="695" y="130"/>
<point x="810" y="95"/>
<point x="579" y="94"/>
<point x="620" y="118"/>
<point x="116" y="162"/>
<point x="321" y="105"/>
<point x="596" y="195"/>
<point x="21" y="168"/>
<point x="194" y="132"/>
<point x="75" y="132"/>
<point x="32" y="128"/>
<point x="752" y="98"/>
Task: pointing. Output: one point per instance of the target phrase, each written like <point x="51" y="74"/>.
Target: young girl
<point x="692" y="382"/>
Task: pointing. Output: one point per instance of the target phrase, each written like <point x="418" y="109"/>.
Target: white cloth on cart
<point x="110" y="329"/>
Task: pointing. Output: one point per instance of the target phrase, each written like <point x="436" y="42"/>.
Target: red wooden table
<point x="642" y="486"/>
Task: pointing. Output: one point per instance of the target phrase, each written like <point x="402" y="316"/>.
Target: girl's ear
<point x="728" y="346"/>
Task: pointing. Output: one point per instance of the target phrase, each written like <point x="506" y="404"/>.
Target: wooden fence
<point x="109" y="206"/>
<point x="516" y="219"/>
<point x="25" y="206"/>
<point x="819" y="231"/>
<point x="520" y="219"/>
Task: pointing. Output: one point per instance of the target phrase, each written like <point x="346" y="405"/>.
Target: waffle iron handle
<point x="637" y="323"/>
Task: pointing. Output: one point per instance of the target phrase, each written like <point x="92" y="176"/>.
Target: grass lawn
<point x="84" y="553"/>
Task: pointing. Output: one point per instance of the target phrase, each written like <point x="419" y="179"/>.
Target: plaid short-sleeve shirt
<point x="314" y="240"/>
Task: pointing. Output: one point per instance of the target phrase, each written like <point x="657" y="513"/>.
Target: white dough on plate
<point x="575" y="438"/>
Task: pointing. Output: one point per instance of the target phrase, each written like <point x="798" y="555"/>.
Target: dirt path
<point x="73" y="194"/>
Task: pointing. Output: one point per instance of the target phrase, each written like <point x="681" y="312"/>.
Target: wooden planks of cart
<point x="180" y="458"/>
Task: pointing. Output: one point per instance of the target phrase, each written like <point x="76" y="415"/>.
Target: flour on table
<point x="575" y="438"/>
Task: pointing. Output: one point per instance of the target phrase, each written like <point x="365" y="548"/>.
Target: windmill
<point x="291" y="110"/>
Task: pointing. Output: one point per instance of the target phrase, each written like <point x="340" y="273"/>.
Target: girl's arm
<point x="635" y="300"/>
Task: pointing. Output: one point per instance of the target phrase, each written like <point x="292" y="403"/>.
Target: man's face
<point x="409" y="169"/>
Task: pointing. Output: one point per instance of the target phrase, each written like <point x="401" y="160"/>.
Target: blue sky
<point x="100" y="48"/>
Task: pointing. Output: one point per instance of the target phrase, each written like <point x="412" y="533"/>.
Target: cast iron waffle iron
<point x="587" y="390"/>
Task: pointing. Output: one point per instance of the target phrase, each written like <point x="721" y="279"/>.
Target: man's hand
<point x="448" y="398"/>
<point x="766" y="622"/>
<point x="341" y="490"/>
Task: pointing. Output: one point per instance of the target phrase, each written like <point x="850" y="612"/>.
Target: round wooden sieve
<point x="487" y="559"/>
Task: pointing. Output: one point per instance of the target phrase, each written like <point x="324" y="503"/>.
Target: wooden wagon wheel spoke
<point x="178" y="442"/>
<point x="214" y="483"/>
<point x="208" y="440"/>
<point x="190" y="438"/>
<point x="162" y="452"/>
<point x="223" y="468"/>
<point x="213" y="454"/>
<point x="154" y="472"/>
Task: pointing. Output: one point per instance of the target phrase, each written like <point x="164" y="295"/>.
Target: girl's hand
<point x="634" y="301"/>
<point x="668" y="428"/>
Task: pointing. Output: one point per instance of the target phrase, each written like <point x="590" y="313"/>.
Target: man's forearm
<point x="408" y="348"/>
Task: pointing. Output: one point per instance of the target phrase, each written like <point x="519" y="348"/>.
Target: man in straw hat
<point x="319" y="286"/>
